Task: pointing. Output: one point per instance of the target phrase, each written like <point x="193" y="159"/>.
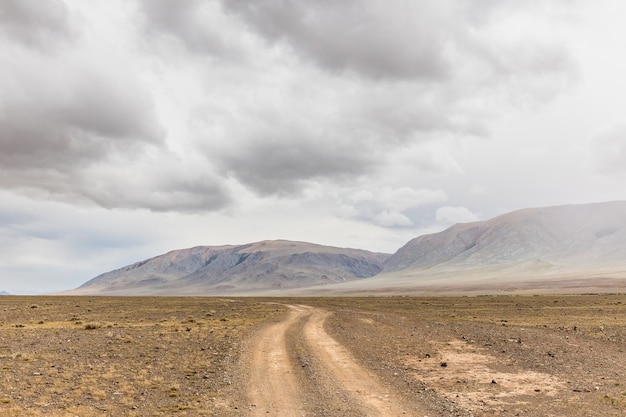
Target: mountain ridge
<point x="557" y="235"/>
<point x="244" y="268"/>
<point x="561" y="247"/>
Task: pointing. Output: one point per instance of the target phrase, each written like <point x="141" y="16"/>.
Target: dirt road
<point x="530" y="356"/>
<point x="273" y="386"/>
<point x="297" y="369"/>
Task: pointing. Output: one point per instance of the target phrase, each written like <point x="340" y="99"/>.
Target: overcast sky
<point x="131" y="128"/>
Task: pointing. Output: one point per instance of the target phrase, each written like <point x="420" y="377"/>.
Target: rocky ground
<point x="101" y="356"/>
<point x="485" y="356"/>
<point x="454" y="356"/>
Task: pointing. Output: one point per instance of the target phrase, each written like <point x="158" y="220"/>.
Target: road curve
<point x="276" y="387"/>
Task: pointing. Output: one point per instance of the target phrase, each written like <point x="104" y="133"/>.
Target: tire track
<point x="277" y="388"/>
<point x="272" y="386"/>
<point x="362" y="386"/>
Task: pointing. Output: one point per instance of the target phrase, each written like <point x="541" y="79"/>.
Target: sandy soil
<point x="272" y="385"/>
<point x="372" y="356"/>
<point x="463" y="357"/>
<point x="275" y="387"/>
<point x="507" y="356"/>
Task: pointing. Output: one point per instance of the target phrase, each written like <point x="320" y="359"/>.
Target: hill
<point x="571" y="248"/>
<point x="251" y="268"/>
<point x="574" y="235"/>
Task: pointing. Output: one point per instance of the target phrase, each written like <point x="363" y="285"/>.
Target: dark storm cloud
<point x="283" y="165"/>
<point x="324" y="92"/>
<point x="71" y="119"/>
<point x="282" y="143"/>
<point x="89" y="132"/>
<point x="278" y="143"/>
<point x="34" y="22"/>
<point x="158" y="188"/>
<point x="375" y="39"/>
<point x="424" y="70"/>
<point x="124" y="183"/>
<point x="281" y="147"/>
<point x="66" y="125"/>
<point x="403" y="40"/>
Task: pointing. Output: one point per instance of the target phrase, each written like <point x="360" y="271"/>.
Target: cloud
<point x="402" y="40"/>
<point x="24" y="219"/>
<point x="63" y="113"/>
<point x="163" y="182"/>
<point x="294" y="130"/>
<point x="278" y="155"/>
<point x="35" y="23"/>
<point x="369" y="80"/>
<point x="200" y="26"/>
<point x="51" y="246"/>
<point x="395" y="39"/>
<point x="52" y="128"/>
<point x="283" y="166"/>
<point x="387" y="206"/>
<point x="275" y="96"/>
<point x="84" y="128"/>
<point x="453" y="215"/>
<point x="70" y="125"/>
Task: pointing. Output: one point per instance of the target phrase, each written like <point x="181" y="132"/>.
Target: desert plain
<point x="503" y="355"/>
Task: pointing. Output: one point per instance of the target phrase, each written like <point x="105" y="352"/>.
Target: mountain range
<point x="243" y="269"/>
<point x="571" y="248"/>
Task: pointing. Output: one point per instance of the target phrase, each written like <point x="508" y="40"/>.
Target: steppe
<point x="513" y="355"/>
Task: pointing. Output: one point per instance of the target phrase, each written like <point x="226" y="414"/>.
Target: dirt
<point x="374" y="356"/>
<point x="109" y="356"/>
<point x="341" y="386"/>
<point x="272" y="384"/>
<point x="504" y="356"/>
<point x="468" y="356"/>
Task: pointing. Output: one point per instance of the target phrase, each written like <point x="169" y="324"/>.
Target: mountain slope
<point x="564" y="236"/>
<point x="238" y="269"/>
<point x="574" y="248"/>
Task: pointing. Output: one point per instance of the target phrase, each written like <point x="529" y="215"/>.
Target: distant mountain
<point x="576" y="236"/>
<point x="250" y="268"/>
<point x="573" y="248"/>
<point x="4" y="293"/>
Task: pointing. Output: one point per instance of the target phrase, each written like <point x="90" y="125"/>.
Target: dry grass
<point x="588" y="313"/>
<point x="550" y="355"/>
<point x="161" y="356"/>
<point x="69" y="356"/>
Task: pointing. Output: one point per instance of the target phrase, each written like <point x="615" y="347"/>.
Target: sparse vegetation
<point x="135" y="359"/>
<point x="181" y="356"/>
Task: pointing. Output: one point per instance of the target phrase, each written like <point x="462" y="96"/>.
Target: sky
<point x="129" y="128"/>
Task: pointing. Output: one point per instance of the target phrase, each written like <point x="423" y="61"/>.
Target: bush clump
<point x="92" y="326"/>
